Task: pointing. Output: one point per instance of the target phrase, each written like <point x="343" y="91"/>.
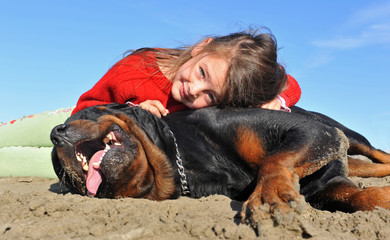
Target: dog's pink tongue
<point x="94" y="176"/>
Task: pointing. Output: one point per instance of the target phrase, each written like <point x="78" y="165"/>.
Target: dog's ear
<point x="156" y="129"/>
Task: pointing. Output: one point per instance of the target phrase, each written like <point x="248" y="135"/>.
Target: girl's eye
<point x="201" y="71"/>
<point x="212" y="98"/>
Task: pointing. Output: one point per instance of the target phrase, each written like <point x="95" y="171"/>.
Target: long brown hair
<point x="254" y="75"/>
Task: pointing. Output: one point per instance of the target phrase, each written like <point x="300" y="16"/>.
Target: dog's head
<point x="104" y="151"/>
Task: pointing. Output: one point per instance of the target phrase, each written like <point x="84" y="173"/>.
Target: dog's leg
<point x="276" y="192"/>
<point x="279" y="169"/>
<point x="276" y="182"/>
<point x="376" y="155"/>
<point x="341" y="194"/>
<point x="361" y="168"/>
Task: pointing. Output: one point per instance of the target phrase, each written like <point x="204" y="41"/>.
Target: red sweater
<point x="137" y="79"/>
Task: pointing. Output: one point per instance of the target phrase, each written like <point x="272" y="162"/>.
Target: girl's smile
<point x="183" y="92"/>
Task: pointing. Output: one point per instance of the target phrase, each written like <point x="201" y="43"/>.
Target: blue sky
<point x="339" y="51"/>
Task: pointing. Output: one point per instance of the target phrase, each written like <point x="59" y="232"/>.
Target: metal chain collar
<point x="179" y="162"/>
<point x="180" y="169"/>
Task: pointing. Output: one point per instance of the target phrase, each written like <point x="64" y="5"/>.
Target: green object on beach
<point x="26" y="161"/>
<point x="25" y="146"/>
<point x="33" y="130"/>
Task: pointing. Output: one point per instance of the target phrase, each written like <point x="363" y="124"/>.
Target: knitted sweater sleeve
<point x="135" y="78"/>
<point x="105" y="91"/>
<point x="293" y="92"/>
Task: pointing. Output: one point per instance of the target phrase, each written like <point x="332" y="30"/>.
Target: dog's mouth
<point x="91" y="153"/>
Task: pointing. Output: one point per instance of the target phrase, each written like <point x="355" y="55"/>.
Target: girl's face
<point x="199" y="82"/>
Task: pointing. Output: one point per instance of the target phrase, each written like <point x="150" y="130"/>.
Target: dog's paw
<point x="273" y="198"/>
<point x="255" y="213"/>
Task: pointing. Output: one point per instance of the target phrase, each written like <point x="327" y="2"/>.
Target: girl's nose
<point x="196" y="89"/>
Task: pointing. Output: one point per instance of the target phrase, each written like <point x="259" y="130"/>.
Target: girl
<point x="239" y="69"/>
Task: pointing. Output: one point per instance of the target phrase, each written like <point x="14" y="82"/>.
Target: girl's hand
<point x="273" y="105"/>
<point x="155" y="107"/>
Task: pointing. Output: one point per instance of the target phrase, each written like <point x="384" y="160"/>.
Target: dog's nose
<point x="57" y="134"/>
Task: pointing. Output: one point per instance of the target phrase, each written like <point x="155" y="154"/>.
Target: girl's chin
<point x="176" y="96"/>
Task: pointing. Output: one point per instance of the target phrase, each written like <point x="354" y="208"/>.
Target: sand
<point x="40" y="208"/>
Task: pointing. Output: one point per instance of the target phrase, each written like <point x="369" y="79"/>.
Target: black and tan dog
<point x="259" y="156"/>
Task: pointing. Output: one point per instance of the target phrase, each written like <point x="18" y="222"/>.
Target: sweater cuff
<point x="132" y="104"/>
<point x="285" y="98"/>
<point x="283" y="104"/>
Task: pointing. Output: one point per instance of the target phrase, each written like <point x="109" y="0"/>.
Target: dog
<point x="262" y="157"/>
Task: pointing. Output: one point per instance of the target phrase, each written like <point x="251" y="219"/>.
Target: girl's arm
<point x="137" y="79"/>
<point x="286" y="99"/>
<point x="293" y="92"/>
<point x="105" y="91"/>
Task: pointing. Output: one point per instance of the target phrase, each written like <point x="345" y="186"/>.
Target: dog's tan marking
<point x="250" y="146"/>
<point x="362" y="168"/>
<point x="374" y="154"/>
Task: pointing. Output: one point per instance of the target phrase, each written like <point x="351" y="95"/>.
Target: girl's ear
<point x="200" y="46"/>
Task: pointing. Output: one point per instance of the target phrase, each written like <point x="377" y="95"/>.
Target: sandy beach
<point x="41" y="208"/>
